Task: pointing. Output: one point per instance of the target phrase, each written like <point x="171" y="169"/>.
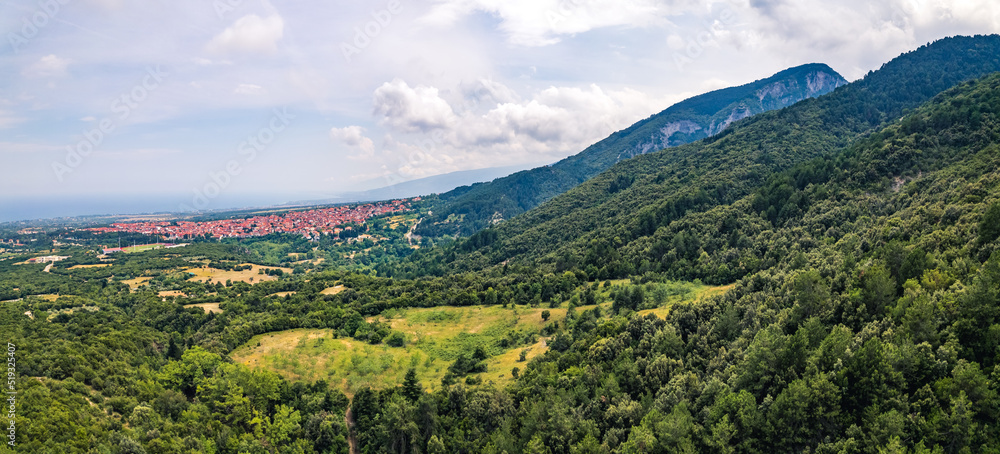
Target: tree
<point x="284" y="426"/>
<point x="491" y="297"/>
<point x="411" y="385"/>
<point x="173" y="352"/>
<point x="396" y="339"/>
<point x="989" y="225"/>
<point x="878" y="290"/>
<point x="435" y="446"/>
<point x="811" y="294"/>
<point x="536" y="446"/>
<point x="545" y="315"/>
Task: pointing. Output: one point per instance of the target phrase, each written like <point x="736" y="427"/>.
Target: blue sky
<point x="309" y="98"/>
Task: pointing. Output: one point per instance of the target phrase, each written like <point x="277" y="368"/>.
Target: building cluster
<point x="311" y="223"/>
<point x="48" y="259"/>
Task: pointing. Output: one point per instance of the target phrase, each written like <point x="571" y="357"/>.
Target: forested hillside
<point x="468" y="209"/>
<point x="604" y="223"/>
<point x="868" y="322"/>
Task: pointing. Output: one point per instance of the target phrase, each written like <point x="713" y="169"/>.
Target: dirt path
<point x="352" y="441"/>
<point x="409" y="234"/>
<point x="48" y="268"/>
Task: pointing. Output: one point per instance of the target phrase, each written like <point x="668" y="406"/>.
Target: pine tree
<point x="435" y="445"/>
<point x="411" y="386"/>
<point x="173" y="351"/>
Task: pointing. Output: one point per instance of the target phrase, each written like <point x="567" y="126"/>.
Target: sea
<point x="27" y="208"/>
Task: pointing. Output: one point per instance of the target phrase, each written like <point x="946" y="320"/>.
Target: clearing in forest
<point x="204" y="274"/>
<point x="98" y="265"/>
<point x="434" y="338"/>
<point x="207" y="307"/>
<point x="333" y="290"/>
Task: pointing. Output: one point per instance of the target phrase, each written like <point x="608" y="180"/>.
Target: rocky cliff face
<point x="776" y="94"/>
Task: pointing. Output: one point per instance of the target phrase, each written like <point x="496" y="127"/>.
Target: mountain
<point x="870" y="322"/>
<point x="687" y="121"/>
<point x="607" y="222"/>
<point x="422" y="186"/>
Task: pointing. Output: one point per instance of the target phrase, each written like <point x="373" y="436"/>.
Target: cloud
<point x="249" y="89"/>
<point x="250" y="34"/>
<point x="495" y="127"/>
<point x="416" y="109"/>
<point x="15" y="147"/>
<point x="48" y="66"/>
<point x="138" y="154"/>
<point x="353" y="136"/>
<point x="107" y="4"/>
<point x="544" y="22"/>
<point x="859" y="33"/>
<point x="9" y="119"/>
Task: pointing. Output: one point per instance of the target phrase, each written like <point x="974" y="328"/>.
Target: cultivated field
<point x="166" y="293"/>
<point x="99" y="265"/>
<point x="207" y="307"/>
<point x="333" y="290"/>
<point x="134" y="284"/>
<point x="204" y="274"/>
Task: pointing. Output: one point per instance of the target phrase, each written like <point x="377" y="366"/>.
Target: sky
<point x="205" y="101"/>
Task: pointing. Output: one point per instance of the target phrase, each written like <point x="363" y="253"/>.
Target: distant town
<point x="311" y="223"/>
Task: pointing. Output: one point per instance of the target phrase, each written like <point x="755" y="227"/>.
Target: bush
<point x="396" y="339"/>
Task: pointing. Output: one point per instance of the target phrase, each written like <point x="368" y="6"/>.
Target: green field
<point x="435" y="337"/>
<point x="142" y="247"/>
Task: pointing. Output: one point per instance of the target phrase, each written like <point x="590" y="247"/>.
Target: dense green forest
<point x="469" y="209"/>
<point x="854" y="239"/>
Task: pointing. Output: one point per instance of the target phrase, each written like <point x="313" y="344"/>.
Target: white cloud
<point x="250" y="34"/>
<point x="9" y="119"/>
<point x="353" y="136"/>
<point x="552" y="124"/>
<point x="138" y="154"/>
<point x="15" y="147"/>
<point x="48" y="66"/>
<point x="855" y="35"/>
<point x="249" y="89"/>
<point x="543" y="22"/>
<point x="417" y="109"/>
